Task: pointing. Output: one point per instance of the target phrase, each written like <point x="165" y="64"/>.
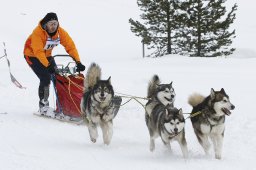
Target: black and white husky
<point x="99" y="106"/>
<point x="168" y="123"/>
<point x="162" y="119"/>
<point x="209" y="123"/>
<point x="159" y="93"/>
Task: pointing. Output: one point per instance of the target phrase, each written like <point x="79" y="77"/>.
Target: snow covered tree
<point x="207" y="33"/>
<point x="161" y="21"/>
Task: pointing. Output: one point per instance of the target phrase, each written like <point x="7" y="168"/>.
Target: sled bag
<point x="70" y="92"/>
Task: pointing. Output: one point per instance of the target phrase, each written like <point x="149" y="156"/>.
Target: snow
<point x="102" y="34"/>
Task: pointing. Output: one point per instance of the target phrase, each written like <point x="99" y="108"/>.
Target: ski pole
<point x="53" y="78"/>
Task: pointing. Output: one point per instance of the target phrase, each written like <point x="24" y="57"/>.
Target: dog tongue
<point x="168" y="99"/>
<point x="226" y="111"/>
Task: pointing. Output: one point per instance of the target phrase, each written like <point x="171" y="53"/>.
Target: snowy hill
<point x="29" y="142"/>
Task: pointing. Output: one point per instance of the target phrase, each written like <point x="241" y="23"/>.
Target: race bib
<point x="50" y="43"/>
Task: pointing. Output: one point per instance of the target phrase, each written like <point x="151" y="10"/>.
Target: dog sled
<point x="68" y="86"/>
<point x="69" y="90"/>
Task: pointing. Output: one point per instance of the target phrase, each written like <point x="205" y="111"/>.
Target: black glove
<point x="79" y="67"/>
<point x="51" y="68"/>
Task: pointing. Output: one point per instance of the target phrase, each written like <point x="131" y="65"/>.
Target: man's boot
<point x="43" y="93"/>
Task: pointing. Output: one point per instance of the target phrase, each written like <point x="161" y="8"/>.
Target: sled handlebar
<point x="61" y="55"/>
<point x="67" y="69"/>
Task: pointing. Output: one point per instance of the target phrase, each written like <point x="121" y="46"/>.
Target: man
<point x="38" y="51"/>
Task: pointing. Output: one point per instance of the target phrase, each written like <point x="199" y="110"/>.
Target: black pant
<point x="42" y="73"/>
<point x="40" y="70"/>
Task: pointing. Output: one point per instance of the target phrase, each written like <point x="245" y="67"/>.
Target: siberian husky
<point x="159" y="93"/>
<point x="99" y="106"/>
<point x="168" y="123"/>
<point x="209" y="123"/>
<point x="162" y="118"/>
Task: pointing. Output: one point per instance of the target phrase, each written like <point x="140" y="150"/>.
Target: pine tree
<point x="161" y="21"/>
<point x="207" y="33"/>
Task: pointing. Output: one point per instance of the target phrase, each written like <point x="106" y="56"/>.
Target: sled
<point x="69" y="86"/>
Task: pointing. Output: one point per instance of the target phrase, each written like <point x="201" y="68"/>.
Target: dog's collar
<point x="101" y="111"/>
<point x="155" y="99"/>
<point x="99" y="102"/>
<point x="212" y="119"/>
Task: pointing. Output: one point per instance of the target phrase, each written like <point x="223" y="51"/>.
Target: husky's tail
<point x="152" y="85"/>
<point x="195" y="99"/>
<point x="92" y="76"/>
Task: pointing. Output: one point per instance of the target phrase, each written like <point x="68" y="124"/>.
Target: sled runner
<point x="61" y="118"/>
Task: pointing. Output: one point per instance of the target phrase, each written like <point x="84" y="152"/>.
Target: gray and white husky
<point x="159" y="93"/>
<point x="162" y="119"/>
<point x="168" y="123"/>
<point x="209" y="123"/>
<point x="99" y="106"/>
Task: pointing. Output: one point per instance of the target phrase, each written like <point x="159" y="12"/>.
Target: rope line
<point x="131" y="96"/>
<point x="193" y="115"/>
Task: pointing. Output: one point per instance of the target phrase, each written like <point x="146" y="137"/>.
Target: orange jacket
<point x="35" y="45"/>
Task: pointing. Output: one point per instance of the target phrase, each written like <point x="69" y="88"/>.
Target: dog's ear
<point x="171" y="84"/>
<point x="180" y="111"/>
<point x="212" y="94"/>
<point x="109" y="80"/>
<point x="222" y="91"/>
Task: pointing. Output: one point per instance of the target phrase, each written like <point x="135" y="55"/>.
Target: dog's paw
<point x="152" y="148"/>
<point x="107" y="142"/>
<point x="93" y="140"/>
<point x="218" y="156"/>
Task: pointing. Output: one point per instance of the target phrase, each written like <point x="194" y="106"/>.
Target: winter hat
<point x="49" y="17"/>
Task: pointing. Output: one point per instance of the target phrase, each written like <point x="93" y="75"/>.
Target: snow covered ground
<point x="101" y="31"/>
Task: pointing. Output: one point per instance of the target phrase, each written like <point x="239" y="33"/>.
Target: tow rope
<point x="13" y="79"/>
<point x="131" y="97"/>
<point x="193" y="114"/>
